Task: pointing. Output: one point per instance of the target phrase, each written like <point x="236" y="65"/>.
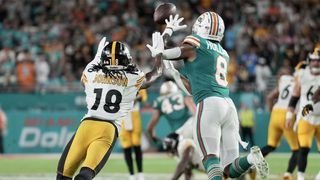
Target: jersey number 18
<point x="112" y="100"/>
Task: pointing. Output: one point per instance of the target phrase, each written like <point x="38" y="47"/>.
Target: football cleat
<point x="259" y="162"/>
<point x="287" y="176"/>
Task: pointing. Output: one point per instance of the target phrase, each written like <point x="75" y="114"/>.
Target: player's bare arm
<point x="293" y="102"/>
<point x="190" y="104"/>
<point x="316" y="96"/>
<point x="151" y="126"/>
<point x="272" y="96"/>
<point x="154" y="74"/>
<point x="184" y="163"/>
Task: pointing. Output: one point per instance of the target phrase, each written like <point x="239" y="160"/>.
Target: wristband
<point x="293" y="101"/>
<point x="168" y="31"/>
<point x="289" y="115"/>
<point x="171" y="53"/>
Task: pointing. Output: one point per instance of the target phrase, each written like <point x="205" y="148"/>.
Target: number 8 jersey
<point x="110" y="96"/>
<point x="207" y="73"/>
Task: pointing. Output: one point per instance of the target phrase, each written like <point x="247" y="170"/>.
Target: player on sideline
<point x="111" y="84"/>
<point x="130" y="136"/>
<point x="176" y="107"/>
<point x="216" y="130"/>
<point x="278" y="118"/>
<point x="185" y="150"/>
<point x="307" y="83"/>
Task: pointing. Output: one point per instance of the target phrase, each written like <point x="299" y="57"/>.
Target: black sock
<point x="266" y="150"/>
<point x="85" y="174"/>
<point x="293" y="161"/>
<point x="303" y="159"/>
<point x="138" y="152"/>
<point x="128" y="158"/>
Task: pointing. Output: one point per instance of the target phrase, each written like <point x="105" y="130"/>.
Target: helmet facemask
<point x="115" y="56"/>
<point x="314" y="61"/>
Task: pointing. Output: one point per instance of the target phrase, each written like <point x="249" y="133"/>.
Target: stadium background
<point x="45" y="45"/>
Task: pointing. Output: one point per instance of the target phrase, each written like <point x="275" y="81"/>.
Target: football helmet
<point x="168" y="87"/>
<point x="209" y="25"/>
<point x="115" y="55"/>
<point x="314" y="61"/>
<point x="170" y="142"/>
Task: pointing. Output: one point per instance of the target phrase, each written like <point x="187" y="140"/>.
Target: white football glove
<point x="157" y="44"/>
<point x="173" y="24"/>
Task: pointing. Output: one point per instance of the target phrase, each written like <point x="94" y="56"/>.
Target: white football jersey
<point x="285" y="87"/>
<point x="110" y="97"/>
<point x="196" y="159"/>
<point x="309" y="84"/>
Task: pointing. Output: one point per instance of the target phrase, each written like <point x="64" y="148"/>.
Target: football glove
<point x="173" y="24"/>
<point x="307" y="109"/>
<point x="157" y="44"/>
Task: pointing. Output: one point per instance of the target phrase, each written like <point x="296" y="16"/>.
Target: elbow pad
<point x="293" y="101"/>
<point x="171" y="53"/>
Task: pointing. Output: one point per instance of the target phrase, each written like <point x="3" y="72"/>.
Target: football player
<point x="278" y="118"/>
<point x="111" y="84"/>
<point x="188" y="156"/>
<point x="307" y="83"/>
<point x="130" y="136"/>
<point x="216" y="130"/>
<point x="176" y="107"/>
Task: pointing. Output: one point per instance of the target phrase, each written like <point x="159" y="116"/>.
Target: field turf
<point x="155" y="166"/>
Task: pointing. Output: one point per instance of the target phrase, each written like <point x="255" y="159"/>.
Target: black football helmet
<point x="170" y="142"/>
<point x="115" y="55"/>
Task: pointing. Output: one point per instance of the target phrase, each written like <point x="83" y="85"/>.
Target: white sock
<point x="318" y="176"/>
<point x="287" y="174"/>
<point x="300" y="176"/>
<point x="250" y="159"/>
<point x="140" y="176"/>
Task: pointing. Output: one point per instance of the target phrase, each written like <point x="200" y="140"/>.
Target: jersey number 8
<point x="109" y="106"/>
<point x="221" y="71"/>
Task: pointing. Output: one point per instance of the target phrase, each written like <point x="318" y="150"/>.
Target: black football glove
<point x="307" y="109"/>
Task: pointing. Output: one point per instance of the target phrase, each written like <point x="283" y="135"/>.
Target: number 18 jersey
<point x="110" y="97"/>
<point x="207" y="73"/>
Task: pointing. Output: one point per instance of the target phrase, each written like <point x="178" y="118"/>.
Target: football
<point x="163" y="11"/>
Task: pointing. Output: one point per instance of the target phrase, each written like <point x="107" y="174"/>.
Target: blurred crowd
<point x="45" y="45"/>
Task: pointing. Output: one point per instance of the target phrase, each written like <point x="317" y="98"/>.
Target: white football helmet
<point x="314" y="61"/>
<point x="209" y="25"/>
<point x="168" y="88"/>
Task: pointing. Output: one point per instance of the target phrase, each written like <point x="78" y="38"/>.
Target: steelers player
<point x="130" y="136"/>
<point x="307" y="83"/>
<point x="176" y="107"/>
<point x="277" y="121"/>
<point x="185" y="150"/>
<point x="111" y="84"/>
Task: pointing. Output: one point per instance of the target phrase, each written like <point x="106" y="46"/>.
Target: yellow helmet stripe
<point x="113" y="53"/>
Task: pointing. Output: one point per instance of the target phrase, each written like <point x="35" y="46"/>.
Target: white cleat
<point x="259" y="162"/>
<point x="318" y="176"/>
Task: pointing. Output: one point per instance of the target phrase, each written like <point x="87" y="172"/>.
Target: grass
<point x="22" y="166"/>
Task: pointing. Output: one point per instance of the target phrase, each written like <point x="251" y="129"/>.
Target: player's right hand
<point x="307" y="109"/>
<point x="157" y="44"/>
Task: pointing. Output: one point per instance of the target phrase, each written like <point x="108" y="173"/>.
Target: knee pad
<point x="85" y="174"/>
<point x="61" y="177"/>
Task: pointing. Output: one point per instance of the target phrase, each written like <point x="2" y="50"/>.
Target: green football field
<point x="19" y="167"/>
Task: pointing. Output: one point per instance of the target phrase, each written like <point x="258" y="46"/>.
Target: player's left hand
<point x="307" y="109"/>
<point x="157" y="44"/>
<point x="173" y="24"/>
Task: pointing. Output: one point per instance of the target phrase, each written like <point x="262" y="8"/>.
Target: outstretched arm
<point x="154" y="74"/>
